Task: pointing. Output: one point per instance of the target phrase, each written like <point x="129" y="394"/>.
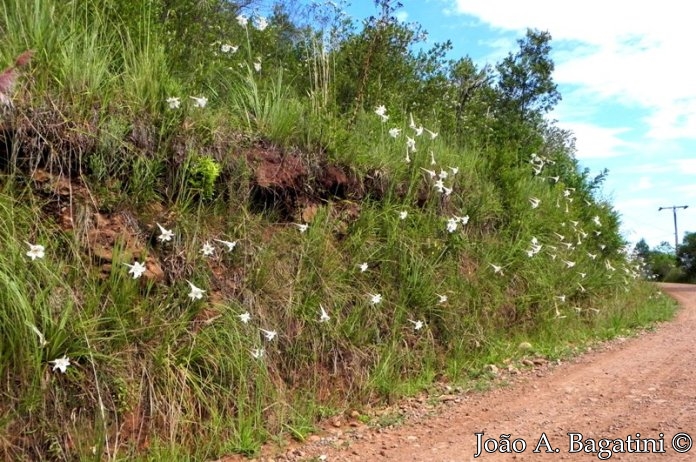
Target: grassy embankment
<point x="94" y="155"/>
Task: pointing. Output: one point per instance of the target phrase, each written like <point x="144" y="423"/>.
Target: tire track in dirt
<point x="644" y="385"/>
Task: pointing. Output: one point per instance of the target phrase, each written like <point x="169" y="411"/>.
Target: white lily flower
<point x="497" y="269"/>
<point x="136" y="269"/>
<point x="442" y="299"/>
<point x="442" y="175"/>
<point x="432" y="158"/>
<point x="447" y="191"/>
<point x="463" y="220"/>
<point x="244" y="317"/>
<point x="61" y="364"/>
<point x="227" y="48"/>
<point x="455" y="170"/>
<point x="607" y="264"/>
<point x="411" y="123"/>
<point x="207" y="250"/>
<point x="230" y="245"/>
<point x="602" y="246"/>
<point x="166" y="235"/>
<point x="432" y="173"/>
<point x="257" y="65"/>
<point x="403" y="214"/>
<point x="375" y="299"/>
<point x="417" y="325"/>
<point x="560" y="236"/>
<point x="269" y="334"/>
<point x="363" y="267"/>
<point x="534" y="201"/>
<point x="323" y="316"/>
<point x="196" y="293"/>
<point x="199" y="101"/>
<point x="592" y="255"/>
<point x="536" y="248"/>
<point x="242" y="20"/>
<point x="302" y="227"/>
<point x="582" y="289"/>
<point x="596" y="220"/>
<point x="419" y="130"/>
<point x="35" y="251"/>
<point x="439" y="185"/>
<point x="381" y="111"/>
<point x="394" y="132"/>
<point x="432" y="134"/>
<point x="260" y="23"/>
<point x="569" y="264"/>
<point x="42" y="339"/>
<point x="582" y="275"/>
<point x="258" y="353"/>
<point x="452" y="224"/>
<point x="561" y="298"/>
<point x="410" y="144"/>
<point x="174" y="102"/>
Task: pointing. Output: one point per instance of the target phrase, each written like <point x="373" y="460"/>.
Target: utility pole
<point x="674" y="211"/>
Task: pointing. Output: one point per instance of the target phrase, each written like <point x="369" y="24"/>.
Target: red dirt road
<point x="644" y="385"/>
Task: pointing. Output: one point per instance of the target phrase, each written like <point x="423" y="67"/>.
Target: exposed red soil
<point x="642" y="385"/>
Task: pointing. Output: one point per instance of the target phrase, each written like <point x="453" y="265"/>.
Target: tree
<point x="686" y="256"/>
<point x="641" y="249"/>
<point x="525" y="92"/>
<point x="466" y="86"/>
<point x="660" y="262"/>
<point x="525" y="83"/>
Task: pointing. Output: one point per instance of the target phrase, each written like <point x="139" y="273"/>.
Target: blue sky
<point x="629" y="94"/>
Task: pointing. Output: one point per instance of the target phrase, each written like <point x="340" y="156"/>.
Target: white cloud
<point x="685" y="166"/>
<point x="686" y="191"/>
<point x="402" y="16"/>
<point x="595" y="142"/>
<point x="635" y="52"/>
<point x="644" y="182"/>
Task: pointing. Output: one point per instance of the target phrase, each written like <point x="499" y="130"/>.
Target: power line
<point x="674" y="211"/>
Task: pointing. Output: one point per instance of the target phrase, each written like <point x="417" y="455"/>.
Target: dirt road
<point x="644" y="385"/>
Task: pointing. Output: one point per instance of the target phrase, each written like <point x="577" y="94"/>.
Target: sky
<point x="624" y="70"/>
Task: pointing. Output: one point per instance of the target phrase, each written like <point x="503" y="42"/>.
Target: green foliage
<point x="660" y="263"/>
<point x="686" y="256"/>
<point x="204" y="172"/>
<point x="526" y="85"/>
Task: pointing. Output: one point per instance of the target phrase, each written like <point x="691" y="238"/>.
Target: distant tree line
<point x="662" y="263"/>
